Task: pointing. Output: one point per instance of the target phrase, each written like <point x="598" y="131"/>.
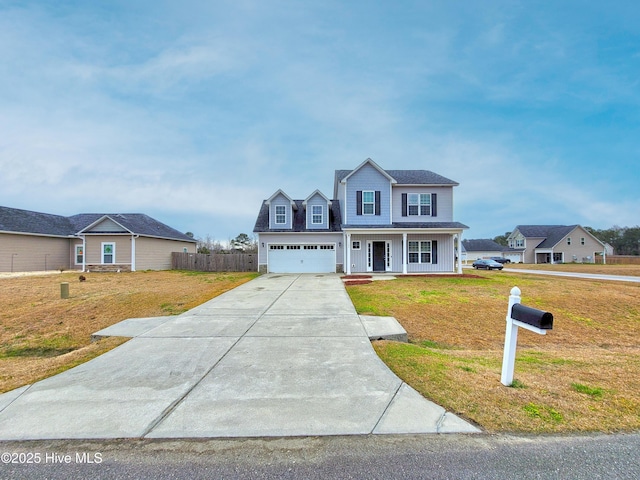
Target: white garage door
<point x="312" y="258"/>
<point x="514" y="257"/>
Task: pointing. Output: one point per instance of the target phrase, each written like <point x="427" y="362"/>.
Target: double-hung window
<point x="419" y="204"/>
<point x="281" y="214"/>
<point x="368" y="203"/>
<point x="108" y="253"/>
<point x="420" y="252"/>
<point x="79" y="254"/>
<point x="316" y="215"/>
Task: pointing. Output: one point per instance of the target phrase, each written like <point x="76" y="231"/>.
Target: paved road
<point x="591" y="276"/>
<point x="357" y="457"/>
<point x="282" y="355"/>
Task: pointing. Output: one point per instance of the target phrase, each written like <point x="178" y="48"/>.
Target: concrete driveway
<point x="283" y="355"/>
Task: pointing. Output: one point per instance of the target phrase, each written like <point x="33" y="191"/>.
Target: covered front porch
<point x="402" y="251"/>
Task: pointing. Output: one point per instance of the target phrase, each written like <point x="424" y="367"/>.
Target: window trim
<point x="420" y="203"/>
<point x="80" y="255"/>
<point x="283" y="214"/>
<point x="424" y="247"/>
<point x="314" y="215"/>
<point x="353" y="245"/>
<point x="113" y="253"/>
<point x="371" y="203"/>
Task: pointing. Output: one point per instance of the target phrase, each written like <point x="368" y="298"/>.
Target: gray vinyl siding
<point x="280" y="200"/>
<point x="317" y="200"/>
<point x="368" y="179"/>
<point x="444" y="208"/>
<point x="445" y="253"/>
<point x="33" y="253"/>
<point x="155" y="253"/>
<point x="298" y="238"/>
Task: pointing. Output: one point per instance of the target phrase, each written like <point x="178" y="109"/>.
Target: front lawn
<point x="584" y="375"/>
<point x="42" y="334"/>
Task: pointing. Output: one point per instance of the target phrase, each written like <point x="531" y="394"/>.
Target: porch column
<point x="459" y="253"/>
<point x="404" y="253"/>
<point x="133" y="253"/>
<point x="347" y="248"/>
<point x="84" y="254"/>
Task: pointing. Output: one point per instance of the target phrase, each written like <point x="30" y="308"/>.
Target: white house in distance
<point x="378" y="220"/>
<point x="555" y="244"/>
<point x="482" y="248"/>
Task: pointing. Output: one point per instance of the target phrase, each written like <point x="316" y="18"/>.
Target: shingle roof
<point x="482" y="245"/>
<point x="299" y="219"/>
<point x="407" y="177"/>
<point x="138" y="223"/>
<point x="552" y="234"/>
<point x="24" y="221"/>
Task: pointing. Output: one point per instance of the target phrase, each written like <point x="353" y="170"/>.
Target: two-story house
<point x="555" y="244"/>
<point x="379" y="220"/>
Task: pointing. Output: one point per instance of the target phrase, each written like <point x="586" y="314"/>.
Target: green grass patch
<point x="543" y="412"/>
<point x="594" y="392"/>
<point x="436" y="345"/>
<point x="517" y="384"/>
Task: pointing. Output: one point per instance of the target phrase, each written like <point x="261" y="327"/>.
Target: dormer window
<point x="316" y="215"/>
<point x="281" y="214"/>
<point x="368" y="202"/>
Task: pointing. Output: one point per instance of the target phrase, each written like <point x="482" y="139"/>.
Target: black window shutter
<point x="359" y="202"/>
<point x="404" y="204"/>
<point x="434" y="251"/>
<point x="434" y="204"/>
<point x="377" y="202"/>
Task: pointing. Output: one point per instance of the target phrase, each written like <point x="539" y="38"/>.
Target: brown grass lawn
<point x="584" y="375"/>
<point x="41" y="334"/>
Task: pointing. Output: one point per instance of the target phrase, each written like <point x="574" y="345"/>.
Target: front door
<point x="378" y="256"/>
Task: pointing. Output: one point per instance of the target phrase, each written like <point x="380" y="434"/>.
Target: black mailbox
<point x="532" y="316"/>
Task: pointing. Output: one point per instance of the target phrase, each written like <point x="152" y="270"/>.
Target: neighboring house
<point x="34" y="241"/>
<point x="483" y="248"/>
<point x="379" y="220"/>
<point x="555" y="244"/>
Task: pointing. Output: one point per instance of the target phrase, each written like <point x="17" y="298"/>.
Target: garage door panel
<point x="317" y="258"/>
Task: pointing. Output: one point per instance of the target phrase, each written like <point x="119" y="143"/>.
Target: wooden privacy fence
<point x="216" y="262"/>
<point x="620" y="259"/>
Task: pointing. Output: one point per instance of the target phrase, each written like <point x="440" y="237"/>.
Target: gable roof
<point x="281" y="192"/>
<point x="406" y="177"/>
<point x="137" y="223"/>
<point x="368" y="161"/>
<point x="27" y="222"/>
<point x="299" y="219"/>
<point x="482" y="245"/>
<point x="552" y="234"/>
<point x="317" y="192"/>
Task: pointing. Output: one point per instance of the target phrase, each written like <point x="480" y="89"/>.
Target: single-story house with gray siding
<point x="35" y="241"/>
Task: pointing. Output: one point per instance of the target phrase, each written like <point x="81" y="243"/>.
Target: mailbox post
<point x="519" y="315"/>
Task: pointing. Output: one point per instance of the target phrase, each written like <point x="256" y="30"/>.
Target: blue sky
<point x="195" y="111"/>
